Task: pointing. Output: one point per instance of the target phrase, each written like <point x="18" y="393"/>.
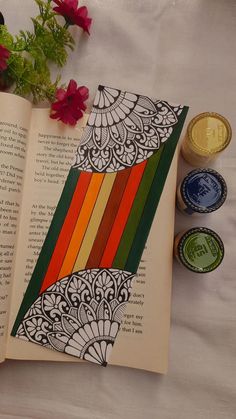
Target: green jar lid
<point x="201" y="250"/>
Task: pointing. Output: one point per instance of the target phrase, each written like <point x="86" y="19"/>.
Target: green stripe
<point x="136" y="211"/>
<point x="41" y="267"/>
<point x="154" y="197"/>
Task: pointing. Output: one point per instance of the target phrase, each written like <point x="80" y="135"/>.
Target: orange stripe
<point x="122" y="215"/>
<point x="66" y="231"/>
<point x="81" y="224"/>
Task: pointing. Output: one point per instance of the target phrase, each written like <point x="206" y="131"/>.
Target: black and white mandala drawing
<point x="124" y="129"/>
<point x="80" y="314"/>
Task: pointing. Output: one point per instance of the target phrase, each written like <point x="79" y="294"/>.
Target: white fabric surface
<point x="183" y="51"/>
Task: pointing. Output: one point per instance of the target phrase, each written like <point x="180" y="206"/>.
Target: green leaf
<point x="6" y="38"/>
<point x="23" y="41"/>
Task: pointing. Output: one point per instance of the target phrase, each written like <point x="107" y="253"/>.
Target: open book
<point x="35" y="157"/>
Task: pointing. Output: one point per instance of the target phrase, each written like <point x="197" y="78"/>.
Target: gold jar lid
<point x="209" y="133"/>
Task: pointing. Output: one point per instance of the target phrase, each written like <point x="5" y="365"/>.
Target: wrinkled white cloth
<point x="182" y="51"/>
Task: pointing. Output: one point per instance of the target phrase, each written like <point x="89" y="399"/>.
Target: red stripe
<point x="122" y="215"/>
<point x="66" y="231"/>
<point x="108" y="218"/>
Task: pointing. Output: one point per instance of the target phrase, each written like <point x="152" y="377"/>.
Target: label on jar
<point x="201" y="250"/>
<point x="202" y="191"/>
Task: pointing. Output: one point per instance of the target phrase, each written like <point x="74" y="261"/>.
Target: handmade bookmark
<point x="82" y="280"/>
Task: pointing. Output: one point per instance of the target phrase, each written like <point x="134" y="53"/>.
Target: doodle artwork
<point x="83" y="278"/>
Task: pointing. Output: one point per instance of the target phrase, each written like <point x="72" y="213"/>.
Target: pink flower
<point x="4" y="55"/>
<point x="70" y="106"/>
<point x="73" y="14"/>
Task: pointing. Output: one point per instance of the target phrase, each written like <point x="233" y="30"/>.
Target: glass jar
<point x="199" y="249"/>
<point x="202" y="191"/>
<point x="207" y="135"/>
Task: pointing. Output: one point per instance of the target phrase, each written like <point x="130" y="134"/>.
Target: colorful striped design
<point x="95" y="221"/>
<point x="81" y="224"/>
<point x="66" y="231"/>
<point x="136" y="211"/>
<point x="108" y="219"/>
<point x="122" y="215"/>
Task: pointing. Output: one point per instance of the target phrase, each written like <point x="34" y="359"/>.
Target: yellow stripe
<point x="81" y="224"/>
<point x="95" y="221"/>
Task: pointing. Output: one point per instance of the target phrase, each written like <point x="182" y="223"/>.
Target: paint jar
<point x="199" y="249"/>
<point x="202" y="191"/>
<point x="207" y="135"/>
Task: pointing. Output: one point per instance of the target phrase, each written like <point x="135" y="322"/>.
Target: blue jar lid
<point x="203" y="190"/>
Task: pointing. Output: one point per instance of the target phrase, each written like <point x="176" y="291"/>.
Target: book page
<point x="51" y="152"/>
<point x="14" y="124"/>
<point x="143" y="338"/>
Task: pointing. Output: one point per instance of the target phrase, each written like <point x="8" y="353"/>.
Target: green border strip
<point x="41" y="267"/>
<point x="136" y="210"/>
<point x="154" y="195"/>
